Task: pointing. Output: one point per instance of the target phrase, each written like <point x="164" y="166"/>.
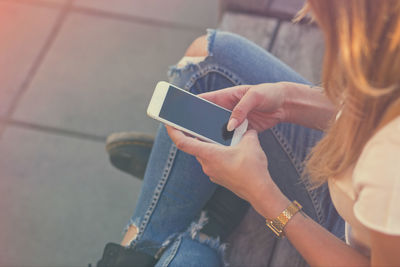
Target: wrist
<point x="292" y="95"/>
<point x="307" y="105"/>
<point x="270" y="201"/>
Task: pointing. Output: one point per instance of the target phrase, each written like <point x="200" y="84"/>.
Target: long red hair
<point x="361" y="76"/>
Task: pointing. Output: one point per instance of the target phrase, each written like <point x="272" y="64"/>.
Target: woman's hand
<point x="267" y="104"/>
<point x="261" y="104"/>
<point x="243" y="168"/>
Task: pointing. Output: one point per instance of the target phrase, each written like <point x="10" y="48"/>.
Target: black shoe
<point x="130" y="151"/>
<point x="115" y="255"/>
<point x="225" y="211"/>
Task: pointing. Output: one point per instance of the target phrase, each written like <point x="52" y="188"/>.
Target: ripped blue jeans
<point x="169" y="214"/>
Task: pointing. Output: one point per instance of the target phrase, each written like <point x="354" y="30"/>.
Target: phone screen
<point x="196" y="115"/>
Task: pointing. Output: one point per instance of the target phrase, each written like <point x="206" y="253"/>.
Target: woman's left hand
<point x="242" y="168"/>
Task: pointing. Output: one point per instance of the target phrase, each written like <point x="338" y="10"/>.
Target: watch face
<point x="276" y="227"/>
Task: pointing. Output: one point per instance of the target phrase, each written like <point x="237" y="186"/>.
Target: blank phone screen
<point x="196" y="115"/>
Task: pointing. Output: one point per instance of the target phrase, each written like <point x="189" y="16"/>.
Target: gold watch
<point x="277" y="225"/>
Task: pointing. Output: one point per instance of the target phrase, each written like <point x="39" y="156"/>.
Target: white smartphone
<point x="193" y="115"/>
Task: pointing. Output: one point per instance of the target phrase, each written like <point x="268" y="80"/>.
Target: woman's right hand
<point x="261" y="104"/>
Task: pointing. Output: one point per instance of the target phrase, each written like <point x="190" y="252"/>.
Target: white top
<point x="368" y="195"/>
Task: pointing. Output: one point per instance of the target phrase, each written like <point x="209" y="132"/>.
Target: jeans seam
<point x="299" y="169"/>
<point x="174" y="251"/>
<point x="203" y="71"/>
<point x="157" y="193"/>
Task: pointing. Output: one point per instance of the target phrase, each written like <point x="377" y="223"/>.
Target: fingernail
<point x="232" y="124"/>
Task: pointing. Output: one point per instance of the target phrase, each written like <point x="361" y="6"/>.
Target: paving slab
<point x="33" y="2"/>
<point x="255" y="28"/>
<point x="99" y="76"/>
<point x="61" y="200"/>
<point x="285" y="8"/>
<point x="23" y="32"/>
<point x="202" y="13"/>
<point x="54" y="2"/>
<point x="249" y="6"/>
<point x="301" y="46"/>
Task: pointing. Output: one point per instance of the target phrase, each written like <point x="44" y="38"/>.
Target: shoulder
<point x="382" y="150"/>
<point x="389" y="133"/>
<point x="376" y="181"/>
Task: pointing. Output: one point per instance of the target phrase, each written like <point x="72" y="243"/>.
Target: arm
<point x="318" y="246"/>
<point x="242" y="169"/>
<point x="267" y="104"/>
<point x="307" y="106"/>
<point x="385" y="249"/>
<point x="232" y="167"/>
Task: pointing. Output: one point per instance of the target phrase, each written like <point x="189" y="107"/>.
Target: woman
<point x="359" y="111"/>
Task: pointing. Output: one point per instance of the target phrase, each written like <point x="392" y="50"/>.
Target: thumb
<point x="239" y="113"/>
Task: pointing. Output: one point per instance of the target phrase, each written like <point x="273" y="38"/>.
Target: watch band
<point x="278" y="224"/>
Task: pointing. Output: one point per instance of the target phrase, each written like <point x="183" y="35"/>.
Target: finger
<point x="239" y="113"/>
<point x="190" y="145"/>
<point x="228" y="97"/>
